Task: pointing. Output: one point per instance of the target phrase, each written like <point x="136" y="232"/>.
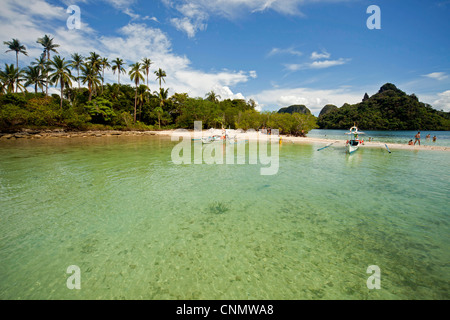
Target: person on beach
<point x="411" y="143"/>
<point x="417" y="136"/>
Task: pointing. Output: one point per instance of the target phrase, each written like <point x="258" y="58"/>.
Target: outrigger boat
<point x="354" y="142"/>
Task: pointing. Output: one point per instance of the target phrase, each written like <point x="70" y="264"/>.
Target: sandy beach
<point x="308" y="140"/>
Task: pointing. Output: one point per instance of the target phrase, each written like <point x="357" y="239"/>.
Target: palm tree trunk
<point x="135" y="102"/>
<point x="90" y="91"/>
<point x="78" y="70"/>
<point x="62" y="89"/>
<point x="35" y="88"/>
<point x="17" y="60"/>
<point x="46" y="74"/>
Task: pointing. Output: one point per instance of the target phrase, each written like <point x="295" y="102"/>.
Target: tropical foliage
<point x="389" y="109"/>
<point x="92" y="103"/>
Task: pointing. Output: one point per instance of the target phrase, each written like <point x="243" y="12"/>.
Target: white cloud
<point x="314" y="99"/>
<point x="188" y="26"/>
<point x="291" y="51"/>
<point x="232" y="9"/>
<point x="318" y="56"/>
<point x="328" y="63"/>
<point x="316" y="65"/>
<point x="443" y="101"/>
<point x="437" y="76"/>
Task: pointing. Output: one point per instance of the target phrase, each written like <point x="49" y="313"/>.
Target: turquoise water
<point x="401" y="137"/>
<point x="140" y="227"/>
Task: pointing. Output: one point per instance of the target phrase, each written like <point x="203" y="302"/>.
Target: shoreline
<point x="62" y="134"/>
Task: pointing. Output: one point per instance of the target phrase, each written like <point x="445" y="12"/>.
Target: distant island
<point x="389" y="109"/>
<point x="302" y="109"/>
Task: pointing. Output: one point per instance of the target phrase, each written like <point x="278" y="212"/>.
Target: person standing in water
<point x="417" y="136"/>
<point x="434" y="139"/>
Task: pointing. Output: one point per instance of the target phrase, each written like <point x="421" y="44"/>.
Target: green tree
<point x="34" y="76"/>
<point x="104" y="63"/>
<point x="160" y="75"/>
<point x="136" y="76"/>
<point x="11" y="78"/>
<point x="43" y="65"/>
<point x="90" y="76"/>
<point x="95" y="61"/>
<point x="49" y="46"/>
<point x="76" y="63"/>
<point x="213" y="97"/>
<point x="17" y="47"/>
<point x="118" y="66"/>
<point x="146" y="63"/>
<point x="60" y="73"/>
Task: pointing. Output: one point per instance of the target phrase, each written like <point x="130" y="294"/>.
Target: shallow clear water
<point x="140" y="227"/>
<point x="401" y="137"/>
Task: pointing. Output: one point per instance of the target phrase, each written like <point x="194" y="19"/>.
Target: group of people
<point x="417" y="137"/>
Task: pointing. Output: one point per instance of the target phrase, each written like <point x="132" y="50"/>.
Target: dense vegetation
<point x="327" y="109"/>
<point x="114" y="106"/>
<point x="295" y="109"/>
<point x="389" y="109"/>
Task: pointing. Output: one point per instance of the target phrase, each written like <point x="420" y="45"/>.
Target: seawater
<point x="400" y="137"/>
<point x="140" y="227"/>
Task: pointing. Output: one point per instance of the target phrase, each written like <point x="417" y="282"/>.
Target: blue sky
<point x="277" y="52"/>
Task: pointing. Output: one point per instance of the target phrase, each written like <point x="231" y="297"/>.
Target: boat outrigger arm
<point x="354" y="142"/>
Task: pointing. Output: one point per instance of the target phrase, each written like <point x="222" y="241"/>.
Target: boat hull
<point x="352" y="146"/>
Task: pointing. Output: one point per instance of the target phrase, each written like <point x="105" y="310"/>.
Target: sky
<point x="276" y="52"/>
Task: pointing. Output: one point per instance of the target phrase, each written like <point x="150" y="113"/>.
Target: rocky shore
<point x="61" y="133"/>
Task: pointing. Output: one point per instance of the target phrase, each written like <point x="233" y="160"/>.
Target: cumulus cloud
<point x="443" y="101"/>
<point x="131" y="43"/>
<point x="314" y="99"/>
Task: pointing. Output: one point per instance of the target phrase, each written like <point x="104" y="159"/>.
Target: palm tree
<point x="43" y="65"/>
<point x="163" y="96"/>
<point x="61" y="73"/>
<point x="142" y="90"/>
<point x="95" y="61"/>
<point x="15" y="45"/>
<point x="118" y="63"/>
<point x="34" y="76"/>
<point x="104" y="63"/>
<point x="76" y="62"/>
<point x="136" y="76"/>
<point x="146" y="63"/>
<point x="90" y="76"/>
<point x="213" y="97"/>
<point x="49" y="46"/>
<point x="160" y="75"/>
<point x="11" y="78"/>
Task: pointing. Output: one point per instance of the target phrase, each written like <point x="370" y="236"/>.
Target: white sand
<point x="287" y="139"/>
